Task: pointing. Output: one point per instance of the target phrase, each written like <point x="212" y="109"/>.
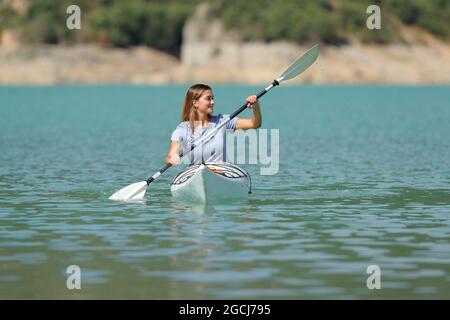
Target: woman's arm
<point x="172" y="157"/>
<point x="255" y="121"/>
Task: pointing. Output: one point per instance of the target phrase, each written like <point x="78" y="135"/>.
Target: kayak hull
<point x="211" y="182"/>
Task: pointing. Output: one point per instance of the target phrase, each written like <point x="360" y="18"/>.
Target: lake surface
<point x="363" y="179"/>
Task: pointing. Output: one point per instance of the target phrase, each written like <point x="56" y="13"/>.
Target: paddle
<point x="137" y="190"/>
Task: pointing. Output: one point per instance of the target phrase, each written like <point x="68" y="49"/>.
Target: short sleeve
<point x="179" y="134"/>
<point x="232" y="124"/>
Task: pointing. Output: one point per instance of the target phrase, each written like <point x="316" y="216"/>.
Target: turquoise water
<point x="364" y="179"/>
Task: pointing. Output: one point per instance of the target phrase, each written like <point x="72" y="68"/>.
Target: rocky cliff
<point x="212" y="54"/>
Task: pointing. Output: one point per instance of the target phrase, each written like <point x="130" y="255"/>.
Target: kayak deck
<point x="210" y="182"/>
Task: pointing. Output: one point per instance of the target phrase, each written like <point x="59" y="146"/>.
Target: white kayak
<point x="210" y="182"/>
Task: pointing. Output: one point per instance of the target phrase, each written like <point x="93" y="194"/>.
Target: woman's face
<point x="205" y="104"/>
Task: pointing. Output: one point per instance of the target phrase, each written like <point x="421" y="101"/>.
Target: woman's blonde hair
<point x="189" y="113"/>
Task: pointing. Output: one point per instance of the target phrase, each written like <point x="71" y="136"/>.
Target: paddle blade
<point x="301" y="64"/>
<point x="133" y="191"/>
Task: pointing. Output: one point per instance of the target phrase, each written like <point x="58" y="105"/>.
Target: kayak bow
<point x="211" y="182"/>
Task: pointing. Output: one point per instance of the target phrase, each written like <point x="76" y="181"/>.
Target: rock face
<point x="212" y="54"/>
<point x="18" y="5"/>
<point x="85" y="64"/>
<point x="394" y="64"/>
<point x="10" y="40"/>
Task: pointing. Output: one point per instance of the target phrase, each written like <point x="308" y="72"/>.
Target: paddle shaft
<point x="213" y="132"/>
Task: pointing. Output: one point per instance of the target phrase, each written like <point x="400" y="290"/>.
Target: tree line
<point x="159" y="23"/>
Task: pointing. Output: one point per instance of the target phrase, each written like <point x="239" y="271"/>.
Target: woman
<point x="198" y="119"/>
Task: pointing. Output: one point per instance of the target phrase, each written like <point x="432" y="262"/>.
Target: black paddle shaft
<point x="233" y="115"/>
<point x="259" y="95"/>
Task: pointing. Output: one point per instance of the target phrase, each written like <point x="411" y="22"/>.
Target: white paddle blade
<point x="301" y="64"/>
<point x="133" y="191"/>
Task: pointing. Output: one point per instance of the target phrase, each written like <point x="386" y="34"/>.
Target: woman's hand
<point x="255" y="121"/>
<point x="173" y="159"/>
<point x="252" y="101"/>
